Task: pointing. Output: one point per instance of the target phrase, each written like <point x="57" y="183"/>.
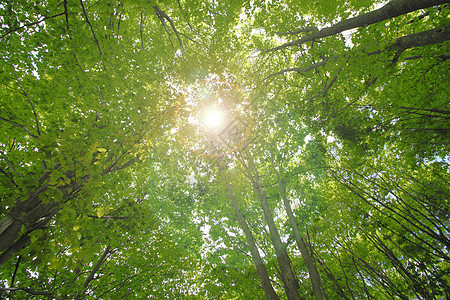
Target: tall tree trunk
<point x="287" y="275"/>
<point x="260" y="268"/>
<point x="390" y="10"/>
<point x="31" y="213"/>
<point x="28" y="211"/>
<point x="34" y="214"/>
<point x="301" y="244"/>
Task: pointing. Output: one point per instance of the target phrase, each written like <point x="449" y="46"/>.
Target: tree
<point x="74" y="114"/>
<point x="330" y="180"/>
<point x="262" y="272"/>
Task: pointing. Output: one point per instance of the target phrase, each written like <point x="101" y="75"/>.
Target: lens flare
<point x="214" y="119"/>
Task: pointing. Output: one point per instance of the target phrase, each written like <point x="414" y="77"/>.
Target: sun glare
<point x="214" y="119"/>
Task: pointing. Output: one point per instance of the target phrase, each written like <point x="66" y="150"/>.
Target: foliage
<point x="345" y="170"/>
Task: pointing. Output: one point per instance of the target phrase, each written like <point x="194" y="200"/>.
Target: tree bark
<point x="290" y="281"/>
<point x="34" y="214"/>
<point x="31" y="213"/>
<point x="25" y="289"/>
<point x="301" y="244"/>
<point x="429" y="37"/>
<point x="260" y="268"/>
<point x="392" y="9"/>
<point x="26" y="212"/>
<point x="399" y="45"/>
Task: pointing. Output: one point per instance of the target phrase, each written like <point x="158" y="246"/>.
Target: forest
<point x="242" y="149"/>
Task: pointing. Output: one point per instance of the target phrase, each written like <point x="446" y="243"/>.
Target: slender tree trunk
<point x="390" y="287"/>
<point x="260" y="268"/>
<point x="330" y="275"/>
<point x="392" y="9"/>
<point x="288" y="276"/>
<point x="347" y="282"/>
<point x="301" y="244"/>
<point x="290" y="281"/>
<point x="366" y="291"/>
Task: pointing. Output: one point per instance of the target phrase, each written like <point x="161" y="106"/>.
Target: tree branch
<point x="66" y="13"/>
<point x="190" y="26"/>
<point x="28" y="290"/>
<point x="163" y="16"/>
<point x="424" y="38"/>
<point x="11" y="165"/>
<point x="325" y="90"/>
<point x="306" y="29"/>
<point x="18" y="125"/>
<point x="78" y="64"/>
<point x="114" y="167"/>
<point x="97" y="266"/>
<point x="140" y="29"/>
<point x="108" y="217"/>
<point x="15" y="271"/>
<point x="392" y="9"/>
<point x="90" y="26"/>
<point x="303" y="70"/>
<point x="30" y="24"/>
<point x="10" y="178"/>
<point x="446" y="112"/>
<point x="29" y="100"/>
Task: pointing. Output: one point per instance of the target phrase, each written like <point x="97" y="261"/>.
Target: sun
<point x="214" y="119"/>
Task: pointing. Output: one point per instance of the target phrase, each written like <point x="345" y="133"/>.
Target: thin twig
<point x="360" y="94"/>
<point x="140" y="29"/>
<point x="66" y="12"/>
<point x="190" y="26"/>
<point x="76" y="60"/>
<point x="19" y="125"/>
<point x="325" y="90"/>
<point x="108" y="217"/>
<point x="29" y="100"/>
<point x="90" y="26"/>
<point x="30" y="24"/>
<point x="303" y="70"/>
<point x="11" y="165"/>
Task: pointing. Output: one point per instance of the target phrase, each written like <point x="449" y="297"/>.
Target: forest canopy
<point x="285" y="149"/>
